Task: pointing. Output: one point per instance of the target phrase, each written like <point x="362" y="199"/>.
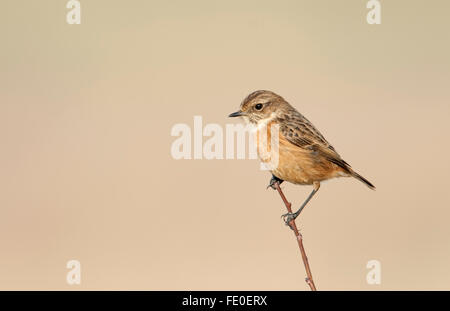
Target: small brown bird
<point x="305" y="157"/>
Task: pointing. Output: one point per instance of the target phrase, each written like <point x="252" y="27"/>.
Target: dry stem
<point x="309" y="278"/>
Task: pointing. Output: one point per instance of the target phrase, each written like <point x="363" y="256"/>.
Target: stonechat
<point x="305" y="157"/>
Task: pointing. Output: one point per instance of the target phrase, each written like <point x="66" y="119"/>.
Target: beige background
<point x="86" y="172"/>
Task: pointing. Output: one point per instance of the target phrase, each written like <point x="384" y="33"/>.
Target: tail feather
<point x="362" y="179"/>
<point x="333" y="157"/>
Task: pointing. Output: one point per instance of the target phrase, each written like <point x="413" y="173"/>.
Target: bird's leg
<point x="274" y="180"/>
<point x="292" y="216"/>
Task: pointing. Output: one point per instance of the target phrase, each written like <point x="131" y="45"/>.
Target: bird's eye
<point x="258" y="106"/>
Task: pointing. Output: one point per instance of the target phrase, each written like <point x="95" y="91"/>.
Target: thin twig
<point x="309" y="278"/>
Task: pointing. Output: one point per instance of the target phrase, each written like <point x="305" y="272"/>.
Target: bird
<point x="305" y="157"/>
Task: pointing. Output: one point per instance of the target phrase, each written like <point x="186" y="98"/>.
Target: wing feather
<point x="300" y="132"/>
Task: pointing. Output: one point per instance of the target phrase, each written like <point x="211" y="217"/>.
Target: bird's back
<point x="312" y="158"/>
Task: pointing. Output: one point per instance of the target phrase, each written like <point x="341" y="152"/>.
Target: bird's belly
<point x="293" y="167"/>
<point x="302" y="166"/>
<point x="297" y="165"/>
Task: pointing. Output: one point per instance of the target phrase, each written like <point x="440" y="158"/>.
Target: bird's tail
<point x="333" y="157"/>
<point x="362" y="179"/>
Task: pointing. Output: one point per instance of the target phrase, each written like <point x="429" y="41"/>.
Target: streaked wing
<point x="300" y="132"/>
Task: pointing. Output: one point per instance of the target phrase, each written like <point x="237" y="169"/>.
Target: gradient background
<point x="86" y="171"/>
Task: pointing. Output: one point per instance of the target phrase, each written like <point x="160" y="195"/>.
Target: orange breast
<point x="294" y="164"/>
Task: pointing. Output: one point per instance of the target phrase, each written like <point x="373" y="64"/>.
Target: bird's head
<point x="261" y="105"/>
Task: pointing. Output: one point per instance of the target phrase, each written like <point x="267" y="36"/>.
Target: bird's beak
<point x="235" y="114"/>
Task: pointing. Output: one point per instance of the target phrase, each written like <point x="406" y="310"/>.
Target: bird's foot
<point x="288" y="217"/>
<point x="273" y="181"/>
<point x="272" y="184"/>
